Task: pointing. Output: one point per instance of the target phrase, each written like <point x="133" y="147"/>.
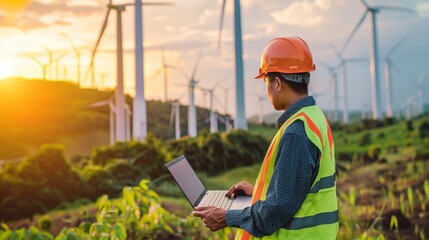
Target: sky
<point x="191" y="26"/>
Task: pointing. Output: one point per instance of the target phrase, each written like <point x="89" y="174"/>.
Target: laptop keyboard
<point x="216" y="198"/>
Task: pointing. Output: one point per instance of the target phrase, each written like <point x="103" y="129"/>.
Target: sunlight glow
<point x="6" y="69"/>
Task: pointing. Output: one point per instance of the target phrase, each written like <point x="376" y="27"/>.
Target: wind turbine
<point x="77" y="54"/>
<point x="57" y="63"/>
<point x="388" y="78"/>
<point x="119" y="91"/>
<point x="164" y="68"/>
<point x="334" y="79"/>
<point x="241" y="122"/>
<point x="228" y="126"/>
<point x="213" y="114"/>
<point x="139" y="101"/>
<point x="343" y="62"/>
<point x="50" y="61"/>
<point x="261" y="100"/>
<point x="192" y="114"/>
<point x="111" y="114"/>
<point x="374" y="68"/>
<point x="44" y="66"/>
<point x="420" y="80"/>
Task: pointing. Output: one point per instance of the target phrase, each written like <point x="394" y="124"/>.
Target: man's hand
<point x="213" y="217"/>
<point x="244" y="186"/>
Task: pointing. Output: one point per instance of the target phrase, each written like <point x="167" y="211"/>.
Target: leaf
<point x="5" y="235"/>
<point x="143" y="184"/>
<point x="129" y="196"/>
<point x="381" y="237"/>
<point x="393" y="222"/>
<point x="120" y="231"/>
<point x="5" y="227"/>
<point x="101" y="201"/>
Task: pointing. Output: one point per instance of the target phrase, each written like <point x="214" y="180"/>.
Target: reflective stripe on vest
<point x="323" y="189"/>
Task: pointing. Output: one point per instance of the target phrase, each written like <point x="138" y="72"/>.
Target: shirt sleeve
<point x="295" y="169"/>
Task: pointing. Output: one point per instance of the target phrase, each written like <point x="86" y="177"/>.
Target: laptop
<point x="196" y="193"/>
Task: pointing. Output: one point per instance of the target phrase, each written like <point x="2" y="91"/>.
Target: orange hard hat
<point x="287" y="55"/>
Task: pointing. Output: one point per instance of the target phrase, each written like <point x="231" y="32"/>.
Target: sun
<point x="6" y="69"/>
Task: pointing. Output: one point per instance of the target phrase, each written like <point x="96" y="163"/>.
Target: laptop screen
<point x="186" y="178"/>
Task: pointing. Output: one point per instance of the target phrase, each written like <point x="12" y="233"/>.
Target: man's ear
<point x="278" y="85"/>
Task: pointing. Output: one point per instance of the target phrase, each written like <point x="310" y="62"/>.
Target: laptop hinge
<point x="200" y="198"/>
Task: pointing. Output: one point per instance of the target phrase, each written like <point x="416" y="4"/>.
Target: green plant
<point x="424" y="129"/>
<point x="44" y="223"/>
<point x="410" y="199"/>
<point x="365" y="139"/>
<point x="374" y="151"/>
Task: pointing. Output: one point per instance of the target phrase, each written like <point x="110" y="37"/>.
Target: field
<point x="382" y="177"/>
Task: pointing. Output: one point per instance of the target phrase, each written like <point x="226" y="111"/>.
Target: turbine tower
<point x="228" y="126"/>
<point x="374" y="68"/>
<point x="261" y="100"/>
<point x="175" y="113"/>
<point x="44" y="66"/>
<point x="343" y="62"/>
<point x="420" y="102"/>
<point x="164" y="68"/>
<point x="388" y="64"/>
<point x="139" y="102"/>
<point x="77" y="53"/>
<point x="213" y="114"/>
<point x="192" y="114"/>
<point x="241" y="122"/>
<point x="334" y="79"/>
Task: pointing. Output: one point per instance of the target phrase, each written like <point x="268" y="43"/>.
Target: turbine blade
<point x="365" y="4"/>
<point x="337" y="53"/>
<point x="222" y="13"/>
<point x="393" y="49"/>
<point x="33" y="58"/>
<point x="396" y="69"/>
<point x="354" y="30"/>
<point x="184" y="75"/>
<point x="94" y="51"/>
<point x="329" y="67"/>
<point x="99" y="104"/>
<point x="356" y="60"/>
<point x="103" y="28"/>
<point x="163" y="57"/>
<point x="156" y="73"/>
<point x="196" y="65"/>
<point x="401" y="9"/>
<point x="217" y="100"/>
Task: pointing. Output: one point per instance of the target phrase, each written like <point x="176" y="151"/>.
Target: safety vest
<point x="318" y="216"/>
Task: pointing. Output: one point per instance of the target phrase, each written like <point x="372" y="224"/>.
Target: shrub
<point x="424" y="130"/>
<point x="374" y="151"/>
<point x="44" y="223"/>
<point x="392" y="146"/>
<point x="409" y="125"/>
<point x="365" y="139"/>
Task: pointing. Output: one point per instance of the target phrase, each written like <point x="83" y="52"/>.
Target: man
<point x="294" y="195"/>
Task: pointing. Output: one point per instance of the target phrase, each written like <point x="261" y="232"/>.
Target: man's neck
<point x="293" y="99"/>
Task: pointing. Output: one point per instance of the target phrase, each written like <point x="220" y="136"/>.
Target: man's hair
<point x="300" y="88"/>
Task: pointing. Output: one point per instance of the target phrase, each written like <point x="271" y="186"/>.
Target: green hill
<point x="34" y="112"/>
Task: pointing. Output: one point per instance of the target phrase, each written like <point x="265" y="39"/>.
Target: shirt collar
<point x="304" y="102"/>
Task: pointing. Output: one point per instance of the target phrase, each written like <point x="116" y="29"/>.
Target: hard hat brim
<point x="262" y="75"/>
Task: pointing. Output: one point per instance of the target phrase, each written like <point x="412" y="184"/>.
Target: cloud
<point x="41" y="8"/>
<point x="303" y="13"/>
<point x="24" y="23"/>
